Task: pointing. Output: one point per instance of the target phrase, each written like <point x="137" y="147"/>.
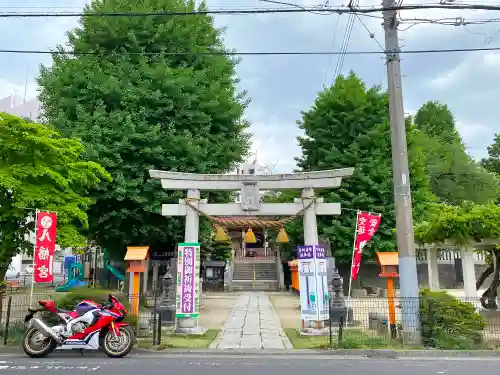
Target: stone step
<point x="250" y="278"/>
<point x="260" y="285"/>
<point x="256" y="270"/>
<point x="256" y="273"/>
<point x="256" y="267"/>
<point x="258" y="276"/>
<point x="267" y="260"/>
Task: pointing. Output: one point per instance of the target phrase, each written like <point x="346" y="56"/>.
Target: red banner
<point x="45" y="246"/>
<point x="366" y="227"/>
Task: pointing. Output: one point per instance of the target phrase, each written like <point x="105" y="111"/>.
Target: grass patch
<point x="170" y="341"/>
<point x="15" y="335"/>
<point x="306" y="342"/>
<point x="352" y="339"/>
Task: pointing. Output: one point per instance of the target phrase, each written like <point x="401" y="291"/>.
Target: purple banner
<point x="319" y="252"/>
<point x="305" y="252"/>
<point x="188" y="278"/>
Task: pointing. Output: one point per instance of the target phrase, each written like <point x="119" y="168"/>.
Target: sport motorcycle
<point x="90" y="326"/>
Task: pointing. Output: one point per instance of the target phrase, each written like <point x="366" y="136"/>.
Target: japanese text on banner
<point x="45" y="245"/>
<point x="366" y="227"/>
<point x="188" y="280"/>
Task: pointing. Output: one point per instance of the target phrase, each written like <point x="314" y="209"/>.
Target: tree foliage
<point x="454" y="176"/>
<point x="459" y="224"/>
<point x="492" y="162"/>
<point x="463" y="225"/>
<point x="348" y="127"/>
<point x="40" y="169"/>
<point x="137" y="107"/>
<point x="219" y="250"/>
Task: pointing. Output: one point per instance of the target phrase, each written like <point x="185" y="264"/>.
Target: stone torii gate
<point x="250" y="186"/>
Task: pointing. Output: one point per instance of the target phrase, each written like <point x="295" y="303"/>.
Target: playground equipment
<point x="75" y="278"/>
<point x="115" y="272"/>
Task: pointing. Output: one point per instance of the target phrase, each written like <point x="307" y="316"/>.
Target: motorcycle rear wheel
<point x="118" y="346"/>
<point x="36" y="345"/>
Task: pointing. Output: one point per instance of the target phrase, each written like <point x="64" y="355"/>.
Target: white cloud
<point x="8" y="88"/>
<point x="475" y="65"/>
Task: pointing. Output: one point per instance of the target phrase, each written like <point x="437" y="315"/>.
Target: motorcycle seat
<point x="63" y="310"/>
<point x="82" y="310"/>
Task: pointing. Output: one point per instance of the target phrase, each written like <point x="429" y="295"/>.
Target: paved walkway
<point x="252" y="324"/>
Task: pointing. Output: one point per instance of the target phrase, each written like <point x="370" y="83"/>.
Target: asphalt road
<point x="187" y="364"/>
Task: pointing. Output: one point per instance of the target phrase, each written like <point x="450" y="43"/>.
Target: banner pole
<point x="33" y="263"/>
<point x="352" y="261"/>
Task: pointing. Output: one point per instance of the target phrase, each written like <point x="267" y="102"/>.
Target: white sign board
<point x="313" y="283"/>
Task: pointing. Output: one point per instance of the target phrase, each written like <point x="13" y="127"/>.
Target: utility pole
<point x="401" y="179"/>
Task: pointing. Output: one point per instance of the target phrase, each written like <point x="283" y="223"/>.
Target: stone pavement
<point x="252" y="324"/>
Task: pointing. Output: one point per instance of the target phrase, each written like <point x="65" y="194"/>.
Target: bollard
<point x="158" y="336"/>
<point x="341" y="328"/>
<point x="154" y="315"/>
<point x="330" y="330"/>
<point x="7" y="321"/>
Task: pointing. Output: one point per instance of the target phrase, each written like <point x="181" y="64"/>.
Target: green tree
<point x="437" y="121"/>
<point x="454" y="176"/>
<point x="137" y="106"/>
<point x="219" y="250"/>
<point x="348" y="127"/>
<point x="492" y="162"/>
<point x="463" y="225"/>
<point x="40" y="169"/>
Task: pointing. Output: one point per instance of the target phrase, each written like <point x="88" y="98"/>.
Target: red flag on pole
<point x="45" y="246"/>
<point x="366" y="227"/>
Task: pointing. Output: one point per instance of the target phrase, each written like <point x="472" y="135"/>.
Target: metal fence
<point x="444" y="323"/>
<point x="146" y="318"/>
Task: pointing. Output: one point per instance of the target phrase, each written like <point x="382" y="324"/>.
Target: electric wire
<point x="333" y="46"/>
<point x="345" y="42"/>
<point x="372" y="35"/>
<point x="294" y="9"/>
<point x="232" y="53"/>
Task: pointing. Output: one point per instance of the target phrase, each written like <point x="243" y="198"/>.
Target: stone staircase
<point x="266" y="274"/>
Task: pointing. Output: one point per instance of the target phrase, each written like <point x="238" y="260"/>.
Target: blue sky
<point x="281" y="86"/>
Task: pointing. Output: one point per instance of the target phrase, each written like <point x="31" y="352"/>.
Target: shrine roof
<point x="137" y="253"/>
<point x="388" y="258"/>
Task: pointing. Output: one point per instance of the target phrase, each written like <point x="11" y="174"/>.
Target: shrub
<point x="355" y="339"/>
<point x="448" y="323"/>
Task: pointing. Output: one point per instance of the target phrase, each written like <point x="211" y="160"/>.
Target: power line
<point x="372" y="35"/>
<point x="333" y="46"/>
<point x="345" y="41"/>
<point x="337" y="10"/>
<point x="231" y="53"/>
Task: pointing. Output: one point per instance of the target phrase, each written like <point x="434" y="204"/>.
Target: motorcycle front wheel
<point x="36" y="345"/>
<point x="118" y="346"/>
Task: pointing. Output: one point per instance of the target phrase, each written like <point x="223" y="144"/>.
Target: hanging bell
<point x="221" y="235"/>
<point x="250" y="236"/>
<point x="282" y="236"/>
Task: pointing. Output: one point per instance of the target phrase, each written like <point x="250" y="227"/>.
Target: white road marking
<point x="47" y="367"/>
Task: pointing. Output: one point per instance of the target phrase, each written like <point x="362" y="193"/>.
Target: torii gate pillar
<point x="192" y="227"/>
<point x="310" y="224"/>
<point x="250" y="187"/>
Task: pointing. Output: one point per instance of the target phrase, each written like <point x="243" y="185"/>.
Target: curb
<point x="367" y="353"/>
